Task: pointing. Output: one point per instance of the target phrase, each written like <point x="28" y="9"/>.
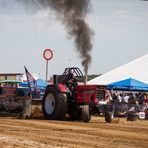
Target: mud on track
<point x="34" y="133"/>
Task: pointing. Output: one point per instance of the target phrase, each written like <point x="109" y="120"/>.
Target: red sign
<point x="48" y="54"/>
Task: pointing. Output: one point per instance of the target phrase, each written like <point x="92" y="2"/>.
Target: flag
<point x="32" y="83"/>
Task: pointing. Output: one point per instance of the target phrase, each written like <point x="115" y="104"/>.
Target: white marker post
<point x="47" y="54"/>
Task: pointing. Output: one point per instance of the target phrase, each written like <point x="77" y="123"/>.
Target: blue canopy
<point x="40" y="83"/>
<point x="129" y="84"/>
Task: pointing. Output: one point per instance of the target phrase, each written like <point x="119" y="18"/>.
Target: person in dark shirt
<point x="132" y="99"/>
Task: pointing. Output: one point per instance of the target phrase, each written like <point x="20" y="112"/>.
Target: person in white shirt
<point x="126" y="97"/>
<point x="119" y="98"/>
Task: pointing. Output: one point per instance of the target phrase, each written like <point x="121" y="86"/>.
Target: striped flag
<point x="32" y="83"/>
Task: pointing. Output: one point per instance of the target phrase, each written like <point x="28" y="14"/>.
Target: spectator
<point x="119" y="98"/>
<point x="132" y="99"/>
<point x="141" y="98"/>
<point x="146" y="99"/>
<point x="108" y="96"/>
<point x="125" y="99"/>
<point x="114" y="97"/>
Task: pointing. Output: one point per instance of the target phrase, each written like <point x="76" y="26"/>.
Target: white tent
<point x="137" y="69"/>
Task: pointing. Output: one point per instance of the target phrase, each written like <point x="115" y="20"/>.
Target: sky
<point x="120" y="36"/>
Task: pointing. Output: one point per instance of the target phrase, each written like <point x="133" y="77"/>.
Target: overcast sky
<point x="121" y="35"/>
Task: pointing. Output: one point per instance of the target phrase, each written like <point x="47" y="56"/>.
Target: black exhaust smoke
<point x="72" y="14"/>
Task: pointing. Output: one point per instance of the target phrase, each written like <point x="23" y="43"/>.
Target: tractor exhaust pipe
<point x="85" y="79"/>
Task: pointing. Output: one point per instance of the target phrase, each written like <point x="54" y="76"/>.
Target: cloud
<point x="17" y="18"/>
<point x="126" y="16"/>
<point x="118" y="21"/>
<point x="41" y="21"/>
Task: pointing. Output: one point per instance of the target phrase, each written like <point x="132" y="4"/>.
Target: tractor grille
<point x="100" y="95"/>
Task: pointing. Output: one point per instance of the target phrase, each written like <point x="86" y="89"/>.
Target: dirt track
<point x="97" y="133"/>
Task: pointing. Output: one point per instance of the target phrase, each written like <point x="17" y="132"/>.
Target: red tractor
<point x="69" y="96"/>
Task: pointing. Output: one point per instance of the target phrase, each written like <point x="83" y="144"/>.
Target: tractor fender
<point x="60" y="88"/>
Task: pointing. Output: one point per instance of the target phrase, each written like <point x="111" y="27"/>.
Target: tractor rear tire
<point x="109" y="117"/>
<point x="85" y="113"/>
<point x="54" y="105"/>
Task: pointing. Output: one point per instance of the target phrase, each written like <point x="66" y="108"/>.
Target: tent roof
<point x="130" y="84"/>
<point x="137" y="69"/>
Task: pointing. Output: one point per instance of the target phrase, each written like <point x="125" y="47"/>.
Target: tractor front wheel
<point x="85" y="113"/>
<point x="109" y="116"/>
